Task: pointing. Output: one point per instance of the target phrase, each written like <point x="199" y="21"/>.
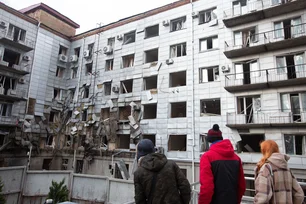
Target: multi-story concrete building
<point x="168" y="74"/>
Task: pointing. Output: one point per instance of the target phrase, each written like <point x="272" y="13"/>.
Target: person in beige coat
<point x="274" y="182"/>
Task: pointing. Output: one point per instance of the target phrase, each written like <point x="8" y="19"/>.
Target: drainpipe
<point x="192" y="98"/>
<point x="80" y="74"/>
<point x="95" y="73"/>
<point x="31" y="75"/>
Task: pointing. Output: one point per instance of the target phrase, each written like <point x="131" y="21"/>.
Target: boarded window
<point x="177" y="79"/>
<point x="177" y="142"/>
<point x="149" y="111"/>
<point x="178" y="110"/>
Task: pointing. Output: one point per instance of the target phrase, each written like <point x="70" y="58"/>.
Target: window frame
<point x="126" y="37"/>
<point x="205" y="13"/>
<point x="212" y="101"/>
<point x="183" y="50"/>
<point x="174" y="28"/>
<point x="215" y="70"/>
<point x="154" y="35"/>
<point x="207" y="39"/>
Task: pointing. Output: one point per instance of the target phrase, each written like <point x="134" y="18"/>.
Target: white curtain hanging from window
<point x="278" y="30"/>
<point x="215" y="43"/>
<point x="173" y="52"/>
<point x="299" y="63"/>
<point x="281" y="65"/>
<point x="254" y="68"/>
<point x="239" y="71"/>
<point x="296" y="28"/>
<point x="285" y="103"/>
<point x="238" y="38"/>
<point x="204" y="76"/>
<point x="203" y="45"/>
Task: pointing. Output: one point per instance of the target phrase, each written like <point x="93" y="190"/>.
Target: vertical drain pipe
<point x="192" y="97"/>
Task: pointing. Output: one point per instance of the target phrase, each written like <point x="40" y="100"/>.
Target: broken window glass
<point x="177" y="143"/>
<point x="177" y="24"/>
<point x="178" y="50"/>
<point x="128" y="61"/>
<point x="178" y="110"/>
<point x="152" y="31"/>
<point x="129" y="38"/>
<point x="177" y="79"/>
<point x="295" y="144"/>
<point x="150" y="83"/>
<point x="109" y="65"/>
<point x="149" y="111"/>
<point x="210" y="107"/>
<point x="88" y="69"/>
<point x="151" y="56"/>
<point x="126" y="86"/>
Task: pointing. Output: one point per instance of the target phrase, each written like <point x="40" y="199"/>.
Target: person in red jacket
<point x="221" y="173"/>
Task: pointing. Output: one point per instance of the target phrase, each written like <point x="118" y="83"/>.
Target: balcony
<point x="12" y="95"/>
<point x="265" y="119"/>
<point x="26" y="45"/>
<point x="17" y="69"/>
<point x="277" y="39"/>
<point x="265" y="79"/>
<point x="258" y="10"/>
<point x="8" y="121"/>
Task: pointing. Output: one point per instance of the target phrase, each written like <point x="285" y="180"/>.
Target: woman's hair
<point x="268" y="147"/>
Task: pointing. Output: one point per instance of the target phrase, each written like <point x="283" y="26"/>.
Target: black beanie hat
<point x="145" y="147"/>
<point x="214" y="134"/>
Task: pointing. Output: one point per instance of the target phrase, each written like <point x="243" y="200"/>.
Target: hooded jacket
<point x="221" y="175"/>
<point x="171" y="186"/>
<point x="276" y="184"/>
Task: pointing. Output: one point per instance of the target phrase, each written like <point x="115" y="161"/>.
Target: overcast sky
<point x="88" y="13"/>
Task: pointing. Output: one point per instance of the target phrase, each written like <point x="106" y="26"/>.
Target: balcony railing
<point x="242" y="10"/>
<point x="269" y="118"/>
<point x="11" y="94"/>
<point x="287" y="37"/>
<point x="256" y="10"/>
<point x="288" y="75"/>
<point x="8" y="120"/>
<point x="18" y="69"/>
<point x="25" y="45"/>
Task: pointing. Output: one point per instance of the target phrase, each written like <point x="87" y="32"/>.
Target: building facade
<point x="168" y="74"/>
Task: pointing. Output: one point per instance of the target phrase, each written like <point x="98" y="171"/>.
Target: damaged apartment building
<point x="167" y="74"/>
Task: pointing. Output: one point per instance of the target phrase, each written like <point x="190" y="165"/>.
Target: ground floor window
<point x="295" y="144"/>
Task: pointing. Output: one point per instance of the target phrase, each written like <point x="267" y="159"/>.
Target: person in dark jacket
<point x="221" y="173"/>
<point x="158" y="180"/>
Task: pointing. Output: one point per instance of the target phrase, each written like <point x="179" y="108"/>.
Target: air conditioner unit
<point x="115" y="89"/>
<point x="86" y="53"/>
<point x="166" y="23"/>
<point x="21" y="80"/>
<point x="119" y="37"/>
<point x="26" y="58"/>
<point x="62" y="58"/>
<point x="3" y="24"/>
<point x="194" y="14"/>
<point x="225" y="68"/>
<point x="169" y="61"/>
<point x="12" y="92"/>
<point x="73" y="58"/>
<point x="108" y="49"/>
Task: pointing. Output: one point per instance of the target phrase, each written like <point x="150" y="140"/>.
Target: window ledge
<point x="213" y="49"/>
<point x="151" y="37"/>
<point x="177" y="30"/>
